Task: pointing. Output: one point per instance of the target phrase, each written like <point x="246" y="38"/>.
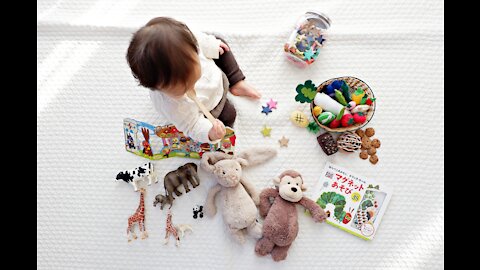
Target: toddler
<point x="166" y="57"/>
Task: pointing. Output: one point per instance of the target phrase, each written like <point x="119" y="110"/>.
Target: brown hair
<point x="159" y="54"/>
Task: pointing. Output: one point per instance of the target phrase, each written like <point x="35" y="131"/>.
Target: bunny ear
<point x="210" y="158"/>
<point x="242" y="162"/>
<point x="258" y="155"/>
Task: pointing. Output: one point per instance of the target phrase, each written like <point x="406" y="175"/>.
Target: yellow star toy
<point x="266" y="131"/>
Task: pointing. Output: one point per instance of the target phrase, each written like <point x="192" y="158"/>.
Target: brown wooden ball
<point x="370" y="132"/>
<point x="360" y="133"/>
<point x="373" y="159"/>
<point x="376" y="143"/>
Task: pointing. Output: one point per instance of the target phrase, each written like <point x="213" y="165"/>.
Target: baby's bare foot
<point x="242" y="88"/>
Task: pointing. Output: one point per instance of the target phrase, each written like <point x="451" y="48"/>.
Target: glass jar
<point x="303" y="46"/>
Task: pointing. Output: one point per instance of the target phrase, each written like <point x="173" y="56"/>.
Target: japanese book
<point x="159" y="142"/>
<point x="353" y="203"/>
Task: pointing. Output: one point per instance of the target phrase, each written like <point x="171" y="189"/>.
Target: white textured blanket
<point x="85" y="89"/>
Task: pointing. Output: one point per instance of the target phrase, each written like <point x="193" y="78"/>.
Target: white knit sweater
<point x="183" y="112"/>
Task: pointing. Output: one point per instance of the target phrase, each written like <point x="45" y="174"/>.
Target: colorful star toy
<point x="283" y="142"/>
<point x="308" y="54"/>
<point x="266" y="110"/>
<point x="320" y="39"/>
<point x="266" y="131"/>
<point x="272" y="104"/>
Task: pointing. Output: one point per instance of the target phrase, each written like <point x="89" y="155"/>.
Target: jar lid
<point x="322" y="16"/>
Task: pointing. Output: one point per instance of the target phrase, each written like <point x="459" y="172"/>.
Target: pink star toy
<point x="272" y="104"/>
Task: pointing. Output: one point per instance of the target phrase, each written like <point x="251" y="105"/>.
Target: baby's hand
<point x="223" y="48"/>
<point x="218" y="131"/>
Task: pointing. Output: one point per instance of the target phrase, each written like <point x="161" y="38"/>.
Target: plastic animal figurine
<point x="198" y="212"/>
<point x="182" y="228"/>
<point x="181" y="176"/>
<point x="162" y="200"/>
<point x="138" y="174"/>
<point x="170" y="229"/>
<point x="138" y="217"/>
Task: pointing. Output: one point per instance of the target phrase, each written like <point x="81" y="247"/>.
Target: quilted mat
<point x="85" y="90"/>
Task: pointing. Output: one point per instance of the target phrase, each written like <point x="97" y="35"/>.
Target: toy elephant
<point x="181" y="176"/>
<point x="162" y="200"/>
<point x="239" y="196"/>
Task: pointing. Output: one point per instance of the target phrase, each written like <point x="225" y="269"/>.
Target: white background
<point x="85" y="89"/>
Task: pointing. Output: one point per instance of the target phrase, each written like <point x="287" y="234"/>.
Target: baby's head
<point x="163" y="55"/>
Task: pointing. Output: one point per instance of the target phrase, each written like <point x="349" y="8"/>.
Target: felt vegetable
<point x="337" y="84"/>
<point x="340" y="115"/>
<point x="317" y="110"/>
<point x="361" y="108"/>
<point x="340" y="98"/>
<point x="335" y="123"/>
<point x="364" y="100"/>
<point x="306" y="92"/>
<point x="313" y="127"/>
<point x="346" y="91"/>
<point x="359" y="117"/>
<point x="328" y="104"/>
<point x="329" y="90"/>
<point x="370" y="101"/>
<point x="357" y="95"/>
<point x="352" y="104"/>
<point x="347" y="120"/>
<point x="325" y="118"/>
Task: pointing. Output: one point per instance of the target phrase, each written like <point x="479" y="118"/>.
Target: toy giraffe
<point x="138" y="217"/>
<point x="171" y="230"/>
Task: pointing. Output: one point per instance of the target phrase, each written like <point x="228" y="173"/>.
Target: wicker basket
<point x="354" y="83"/>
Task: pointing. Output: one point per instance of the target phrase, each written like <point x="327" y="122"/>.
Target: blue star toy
<point x="320" y="40"/>
<point x="266" y="110"/>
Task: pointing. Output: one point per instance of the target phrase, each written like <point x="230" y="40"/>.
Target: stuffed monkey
<point x="280" y="227"/>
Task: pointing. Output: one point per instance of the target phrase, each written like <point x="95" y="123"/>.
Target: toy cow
<point x="138" y="174"/>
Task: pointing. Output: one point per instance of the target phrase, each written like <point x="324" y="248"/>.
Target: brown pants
<point x="225" y="111"/>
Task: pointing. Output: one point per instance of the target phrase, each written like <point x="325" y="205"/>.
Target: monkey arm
<point x="317" y="212"/>
<point x="251" y="190"/>
<point x="265" y="204"/>
<point x="210" y="207"/>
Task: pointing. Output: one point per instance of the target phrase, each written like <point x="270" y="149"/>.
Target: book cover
<point x="160" y="142"/>
<point x="353" y="203"/>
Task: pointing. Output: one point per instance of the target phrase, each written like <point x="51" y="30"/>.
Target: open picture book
<point x="160" y="142"/>
<point x="353" y="203"/>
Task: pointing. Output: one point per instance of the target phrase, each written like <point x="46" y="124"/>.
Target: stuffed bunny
<point x="239" y="195"/>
